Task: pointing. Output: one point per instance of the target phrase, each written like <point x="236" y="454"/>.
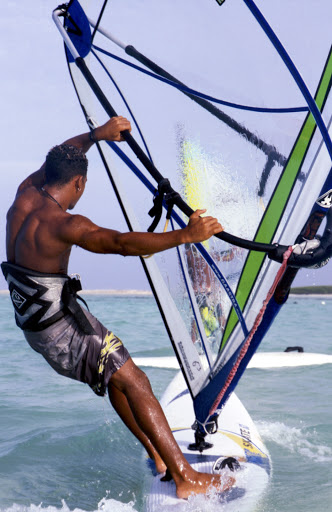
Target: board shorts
<point x="88" y="358"/>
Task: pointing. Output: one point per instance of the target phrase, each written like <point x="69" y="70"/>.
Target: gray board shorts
<point x="88" y="358"/>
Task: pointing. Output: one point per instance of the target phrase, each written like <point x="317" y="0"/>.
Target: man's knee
<point x="130" y="376"/>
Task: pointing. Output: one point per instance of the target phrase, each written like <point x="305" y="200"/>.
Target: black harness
<point x="41" y="299"/>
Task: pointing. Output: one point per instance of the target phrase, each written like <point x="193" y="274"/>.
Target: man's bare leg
<point x="149" y="416"/>
<point x="120" y="404"/>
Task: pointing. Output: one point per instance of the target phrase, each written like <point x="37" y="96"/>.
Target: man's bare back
<point x="33" y="237"/>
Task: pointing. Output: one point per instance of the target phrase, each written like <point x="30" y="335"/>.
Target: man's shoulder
<point x="69" y="223"/>
<point x="23" y="199"/>
<point x="26" y="193"/>
<point x="76" y="219"/>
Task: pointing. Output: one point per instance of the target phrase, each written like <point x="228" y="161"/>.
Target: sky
<point x="39" y="110"/>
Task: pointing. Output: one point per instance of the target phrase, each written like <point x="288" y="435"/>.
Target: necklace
<point x="51" y="197"/>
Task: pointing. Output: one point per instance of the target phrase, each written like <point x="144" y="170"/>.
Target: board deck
<point x="236" y="437"/>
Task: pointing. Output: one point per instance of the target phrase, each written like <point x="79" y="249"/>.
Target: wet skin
<point x="40" y="234"/>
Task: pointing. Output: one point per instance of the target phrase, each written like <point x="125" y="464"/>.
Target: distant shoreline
<point x="305" y="292"/>
<point x="315" y="291"/>
<point x="300" y="296"/>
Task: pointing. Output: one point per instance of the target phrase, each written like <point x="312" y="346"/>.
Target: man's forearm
<point x="82" y="142"/>
<point x="108" y="241"/>
<point x="140" y="244"/>
<point x="111" y="130"/>
<point x="198" y="229"/>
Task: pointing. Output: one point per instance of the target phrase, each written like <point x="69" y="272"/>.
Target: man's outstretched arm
<point x="111" y="130"/>
<point x="79" y="230"/>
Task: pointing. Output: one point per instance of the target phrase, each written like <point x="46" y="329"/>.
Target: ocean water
<point x="64" y="449"/>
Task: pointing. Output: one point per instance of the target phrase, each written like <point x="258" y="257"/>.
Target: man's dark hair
<point x="63" y="162"/>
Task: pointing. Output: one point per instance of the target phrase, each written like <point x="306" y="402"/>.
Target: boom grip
<point x="315" y="253"/>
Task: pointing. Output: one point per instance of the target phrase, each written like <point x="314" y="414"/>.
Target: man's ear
<point x="79" y="182"/>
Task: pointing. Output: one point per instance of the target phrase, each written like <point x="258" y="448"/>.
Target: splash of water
<point x="296" y="440"/>
<point x="105" y="505"/>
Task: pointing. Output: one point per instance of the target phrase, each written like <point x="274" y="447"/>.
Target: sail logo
<point x="185" y="360"/>
<point x="325" y="201"/>
<point x="17" y="299"/>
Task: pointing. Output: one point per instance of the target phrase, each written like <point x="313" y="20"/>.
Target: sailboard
<point x="223" y="99"/>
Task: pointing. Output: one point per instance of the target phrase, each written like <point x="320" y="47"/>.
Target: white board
<point x="236" y="437"/>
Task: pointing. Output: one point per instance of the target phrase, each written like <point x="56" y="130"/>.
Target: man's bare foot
<point x="201" y="483"/>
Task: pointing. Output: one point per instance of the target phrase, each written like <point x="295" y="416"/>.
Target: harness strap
<point x="69" y="298"/>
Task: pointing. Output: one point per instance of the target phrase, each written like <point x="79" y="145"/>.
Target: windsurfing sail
<point x="229" y="116"/>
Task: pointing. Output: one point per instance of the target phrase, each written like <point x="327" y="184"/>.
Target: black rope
<point x="157" y="208"/>
<point x="98" y="21"/>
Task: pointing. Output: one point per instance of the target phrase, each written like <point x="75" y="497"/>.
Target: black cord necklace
<point x="51" y="197"/>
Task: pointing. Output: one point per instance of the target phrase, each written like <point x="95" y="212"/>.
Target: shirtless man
<point x="40" y="235"/>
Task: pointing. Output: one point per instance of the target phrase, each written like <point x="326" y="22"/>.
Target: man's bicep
<point x="81" y="231"/>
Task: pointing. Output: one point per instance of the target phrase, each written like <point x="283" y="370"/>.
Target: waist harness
<point x="41" y="299"/>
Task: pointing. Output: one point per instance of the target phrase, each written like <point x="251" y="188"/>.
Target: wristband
<point x="92" y="135"/>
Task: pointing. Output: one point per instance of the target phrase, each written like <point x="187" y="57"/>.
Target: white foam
<point x="296" y="440"/>
<point x="105" y="505"/>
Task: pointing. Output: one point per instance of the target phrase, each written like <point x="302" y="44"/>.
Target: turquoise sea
<point x="64" y="449"/>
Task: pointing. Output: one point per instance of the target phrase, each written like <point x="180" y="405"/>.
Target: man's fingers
<point x="215" y="228"/>
<point x="202" y="228"/>
<point x="113" y="128"/>
<point x="219" y="228"/>
<point x="197" y="213"/>
<point x="211" y="225"/>
<point x="122" y="121"/>
<point x="209" y="219"/>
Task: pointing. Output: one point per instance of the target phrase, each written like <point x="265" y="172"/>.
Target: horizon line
<point x="102" y="292"/>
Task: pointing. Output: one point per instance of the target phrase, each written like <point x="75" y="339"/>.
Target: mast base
<point x="200" y="444"/>
<point x="209" y="428"/>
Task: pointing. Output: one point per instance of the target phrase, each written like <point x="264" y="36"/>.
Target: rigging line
<point x="125" y="102"/>
<point x="201" y="94"/>
<point x="272" y="154"/>
<point x="229" y="121"/>
<point x="182" y="224"/>
<point x="274" y="251"/>
<point x="98" y="21"/>
<point x="257" y="323"/>
<point x="278" y="201"/>
<point x="293" y="70"/>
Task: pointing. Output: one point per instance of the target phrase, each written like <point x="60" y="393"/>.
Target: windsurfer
<point x="208" y="302"/>
<point x="40" y="235"/>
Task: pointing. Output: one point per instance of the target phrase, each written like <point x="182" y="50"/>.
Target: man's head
<point x="63" y="163"/>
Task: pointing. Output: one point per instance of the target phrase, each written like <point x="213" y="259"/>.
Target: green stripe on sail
<point x="274" y="211"/>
